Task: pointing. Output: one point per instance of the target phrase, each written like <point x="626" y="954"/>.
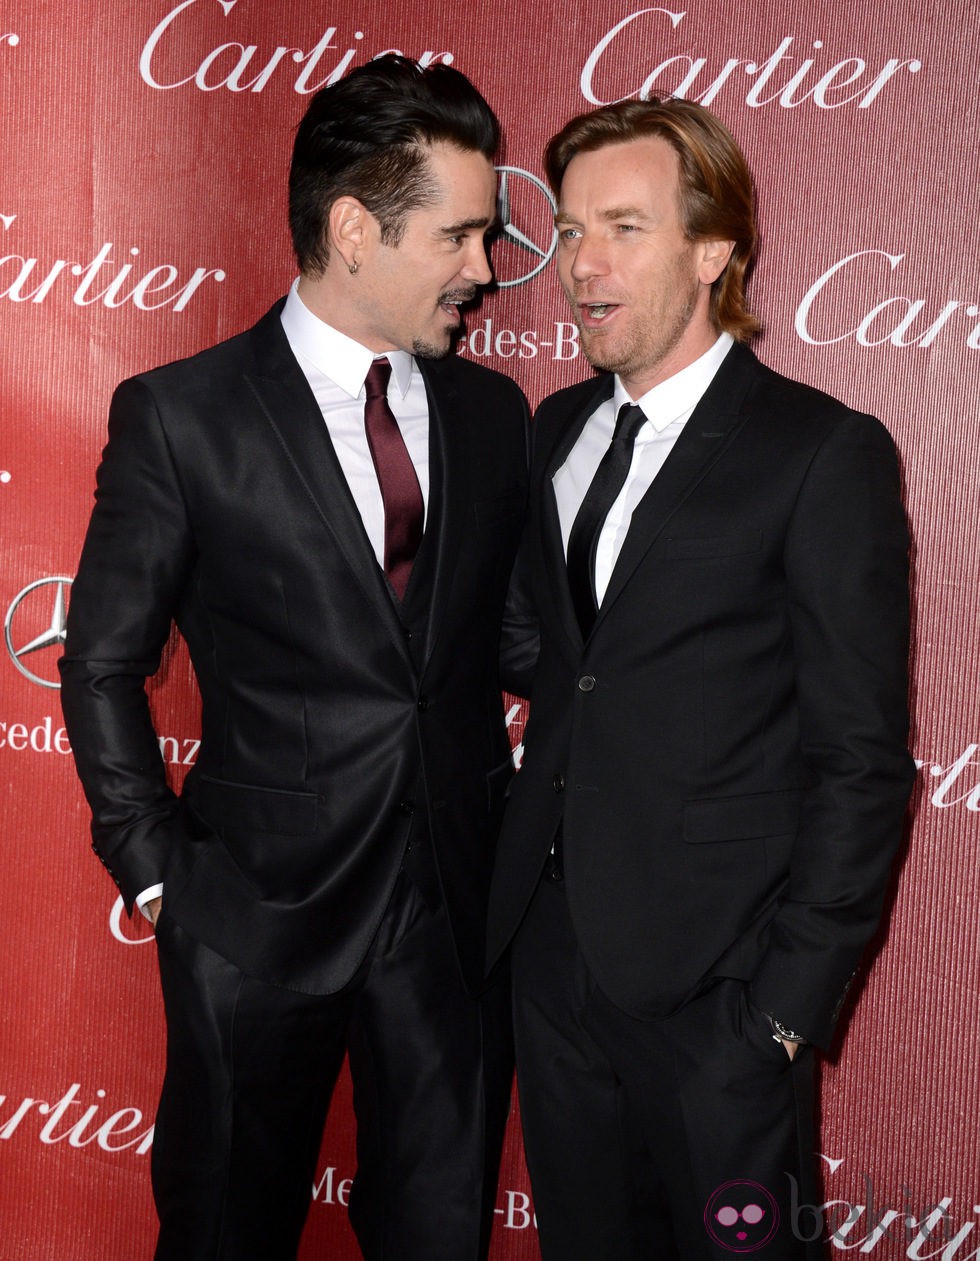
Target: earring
<point x="352" y="268"/>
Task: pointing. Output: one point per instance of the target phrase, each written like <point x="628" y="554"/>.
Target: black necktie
<point x="603" y="492"/>
<point x="404" y="509"/>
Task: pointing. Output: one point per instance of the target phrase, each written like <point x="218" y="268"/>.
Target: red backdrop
<point x="142" y="216"/>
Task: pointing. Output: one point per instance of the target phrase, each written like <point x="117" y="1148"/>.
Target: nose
<point x="476" y="266"/>
<point x="588" y="259"/>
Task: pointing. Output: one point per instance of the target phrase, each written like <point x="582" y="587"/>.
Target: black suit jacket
<point x="726" y="752"/>
<point x="221" y="503"/>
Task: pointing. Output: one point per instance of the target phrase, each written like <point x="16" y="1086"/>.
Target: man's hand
<point x="152" y="909"/>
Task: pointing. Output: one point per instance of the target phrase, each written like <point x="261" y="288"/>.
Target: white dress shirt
<point x="667" y="408"/>
<point x="336" y="366"/>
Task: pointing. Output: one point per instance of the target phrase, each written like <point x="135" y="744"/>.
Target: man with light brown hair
<point x="714" y="592"/>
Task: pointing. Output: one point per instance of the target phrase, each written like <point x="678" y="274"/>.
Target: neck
<point x="331" y="298"/>
<point x="697" y="340"/>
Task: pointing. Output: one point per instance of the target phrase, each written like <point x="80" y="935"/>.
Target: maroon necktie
<point x="400" y="489"/>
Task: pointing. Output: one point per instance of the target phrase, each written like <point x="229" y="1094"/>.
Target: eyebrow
<point x="613" y="213"/>
<point x="468" y="225"/>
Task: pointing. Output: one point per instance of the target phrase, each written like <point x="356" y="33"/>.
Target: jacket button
<point x="586" y="683"/>
<point x="558" y="783"/>
<point x="423" y="702"/>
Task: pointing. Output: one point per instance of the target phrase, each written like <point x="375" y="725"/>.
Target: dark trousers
<point x="250" y="1070"/>
<point x="682" y="1139"/>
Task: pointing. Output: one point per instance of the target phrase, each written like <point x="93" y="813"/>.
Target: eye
<point x="727" y="1216"/>
<point x="752" y="1213"/>
<point x="568" y="234"/>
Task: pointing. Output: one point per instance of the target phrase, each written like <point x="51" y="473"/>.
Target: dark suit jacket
<point x="727" y="751"/>
<point x="221" y="503"/>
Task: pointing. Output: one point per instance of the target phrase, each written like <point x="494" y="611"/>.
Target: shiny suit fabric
<point x="724" y="756"/>
<point x="340" y="730"/>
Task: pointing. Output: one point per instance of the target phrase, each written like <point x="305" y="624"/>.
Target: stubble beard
<point x="424" y="349"/>
<point x="641" y="349"/>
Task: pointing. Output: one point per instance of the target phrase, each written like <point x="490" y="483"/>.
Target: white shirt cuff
<point x="154" y="891"/>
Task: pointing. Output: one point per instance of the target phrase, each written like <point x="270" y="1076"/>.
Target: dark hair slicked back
<point x="366" y="135"/>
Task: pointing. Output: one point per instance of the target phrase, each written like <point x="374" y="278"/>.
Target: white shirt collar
<point x="337" y="356"/>
<point x="681" y="393"/>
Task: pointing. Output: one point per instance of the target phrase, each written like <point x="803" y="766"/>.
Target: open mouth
<point x="451" y="302"/>
<point x="594" y="314"/>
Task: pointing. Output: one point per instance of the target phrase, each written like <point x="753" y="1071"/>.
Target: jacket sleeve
<point x="137" y="555"/>
<point x="846" y="563"/>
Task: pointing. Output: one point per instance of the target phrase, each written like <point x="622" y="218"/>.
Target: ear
<point x="348" y="227"/>
<point x="714" y="256"/>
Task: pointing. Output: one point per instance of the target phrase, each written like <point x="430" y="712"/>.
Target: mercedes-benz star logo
<point x="528" y="235"/>
<point x="25" y="619"/>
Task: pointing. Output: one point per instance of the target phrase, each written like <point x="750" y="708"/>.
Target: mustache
<point x="587" y="295"/>
<point x="459" y="295"/>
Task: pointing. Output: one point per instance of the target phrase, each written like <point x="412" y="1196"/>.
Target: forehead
<point x="643" y="172"/>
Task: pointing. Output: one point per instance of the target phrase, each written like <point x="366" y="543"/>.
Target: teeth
<point x="599" y="309"/>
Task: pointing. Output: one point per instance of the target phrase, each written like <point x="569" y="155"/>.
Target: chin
<point x="425" y="348"/>
<point x="610" y="351"/>
<point x="599" y="356"/>
<point x="592" y="347"/>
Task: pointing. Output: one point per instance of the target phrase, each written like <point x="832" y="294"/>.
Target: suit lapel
<point x="712" y="427"/>
<point x="554" y="553"/>
<point x="564" y="440"/>
<point x="449" y="459"/>
<point x="286" y="400"/>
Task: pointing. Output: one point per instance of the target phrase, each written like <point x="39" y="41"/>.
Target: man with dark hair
<point x="328" y="505"/>
<point x="696" y="849"/>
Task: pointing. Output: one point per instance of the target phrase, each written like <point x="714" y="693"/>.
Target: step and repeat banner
<point x="145" y="149"/>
